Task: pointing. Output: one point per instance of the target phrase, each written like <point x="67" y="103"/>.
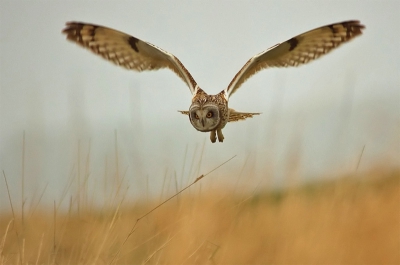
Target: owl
<point x="209" y="113"/>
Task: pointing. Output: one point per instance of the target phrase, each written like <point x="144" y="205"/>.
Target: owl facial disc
<point x="204" y="118"/>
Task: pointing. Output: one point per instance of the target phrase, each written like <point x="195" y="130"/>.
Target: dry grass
<point x="345" y="222"/>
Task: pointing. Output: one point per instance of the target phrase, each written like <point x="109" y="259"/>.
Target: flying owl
<point x="210" y="113"/>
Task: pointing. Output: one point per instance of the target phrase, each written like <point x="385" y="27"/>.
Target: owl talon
<point x="220" y="136"/>
<point x="213" y="138"/>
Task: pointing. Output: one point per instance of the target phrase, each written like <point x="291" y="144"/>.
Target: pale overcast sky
<point x="317" y="117"/>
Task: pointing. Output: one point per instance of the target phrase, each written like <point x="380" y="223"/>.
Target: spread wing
<point x="298" y="50"/>
<point x="233" y="115"/>
<point x="240" y="116"/>
<point x="125" y="50"/>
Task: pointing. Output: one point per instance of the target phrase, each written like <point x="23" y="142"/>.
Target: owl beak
<point x="202" y="122"/>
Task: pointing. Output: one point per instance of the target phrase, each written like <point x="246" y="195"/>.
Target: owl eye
<point x="209" y="114"/>
<point x="196" y="116"/>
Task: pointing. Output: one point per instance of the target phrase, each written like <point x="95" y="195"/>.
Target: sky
<point x="65" y="112"/>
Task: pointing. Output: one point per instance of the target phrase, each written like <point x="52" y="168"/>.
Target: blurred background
<point x="67" y="114"/>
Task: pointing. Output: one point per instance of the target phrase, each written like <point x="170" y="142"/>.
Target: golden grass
<point x="348" y="221"/>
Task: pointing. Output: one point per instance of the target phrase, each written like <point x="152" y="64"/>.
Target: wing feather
<point x="240" y="116"/>
<point x="125" y="50"/>
<point x="298" y="50"/>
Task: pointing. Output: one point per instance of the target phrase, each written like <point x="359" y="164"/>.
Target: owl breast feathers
<point x="210" y="113"/>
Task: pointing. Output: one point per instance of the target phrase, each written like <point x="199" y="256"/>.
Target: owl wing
<point x="298" y="50"/>
<point x="233" y="115"/>
<point x="240" y="116"/>
<point x="125" y="50"/>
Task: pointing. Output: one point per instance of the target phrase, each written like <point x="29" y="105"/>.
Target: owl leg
<point x="220" y="135"/>
<point x="212" y="136"/>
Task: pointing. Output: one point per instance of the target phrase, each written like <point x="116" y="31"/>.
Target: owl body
<point x="210" y="113"/>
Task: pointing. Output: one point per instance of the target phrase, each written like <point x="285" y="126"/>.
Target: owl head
<point x="204" y="117"/>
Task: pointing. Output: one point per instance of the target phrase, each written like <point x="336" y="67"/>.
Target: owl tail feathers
<point x="233" y="115"/>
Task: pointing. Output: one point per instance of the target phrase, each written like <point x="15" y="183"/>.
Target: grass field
<point x="354" y="220"/>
